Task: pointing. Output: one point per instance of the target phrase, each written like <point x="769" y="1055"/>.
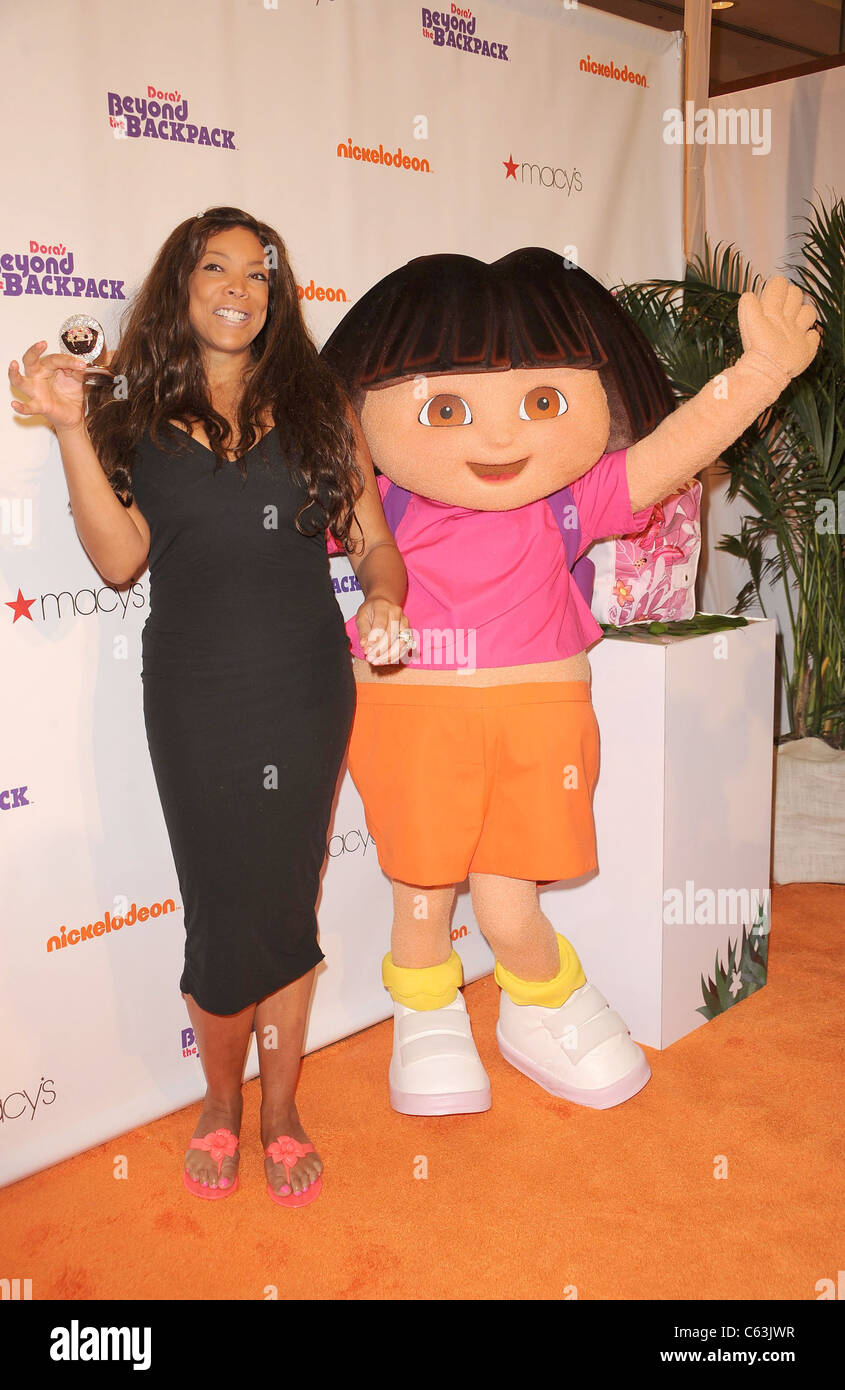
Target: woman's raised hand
<point x="53" y="386"/>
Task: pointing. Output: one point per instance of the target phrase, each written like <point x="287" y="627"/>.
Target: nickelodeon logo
<point x="312" y="291"/>
<point x="625" y="74"/>
<point x="108" y="924"/>
<point x="394" y="159"/>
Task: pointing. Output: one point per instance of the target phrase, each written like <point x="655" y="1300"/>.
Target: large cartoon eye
<point x="543" y="403"/>
<point x="445" y="410"/>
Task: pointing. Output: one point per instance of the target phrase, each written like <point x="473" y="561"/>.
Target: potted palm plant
<point x="789" y="468"/>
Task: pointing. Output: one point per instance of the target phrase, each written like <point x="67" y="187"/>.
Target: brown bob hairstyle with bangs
<point x="160" y="361"/>
<point x="449" y="313"/>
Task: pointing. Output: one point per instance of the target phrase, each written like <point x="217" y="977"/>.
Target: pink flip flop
<point x="221" y="1143"/>
<point x="288" y="1151"/>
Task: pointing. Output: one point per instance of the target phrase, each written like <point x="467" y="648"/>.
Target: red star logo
<point x="511" y="168"/>
<point x="21" y="607"/>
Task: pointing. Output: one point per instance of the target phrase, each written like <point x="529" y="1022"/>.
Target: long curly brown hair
<point x="159" y="361"/>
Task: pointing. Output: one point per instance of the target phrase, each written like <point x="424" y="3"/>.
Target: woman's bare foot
<point x="199" y="1164"/>
<point x="286" y="1121"/>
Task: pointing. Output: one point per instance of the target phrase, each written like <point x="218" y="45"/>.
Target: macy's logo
<point x="79" y="605"/>
<point x="545" y="175"/>
<point x="17" y="1102"/>
<point x="350" y="842"/>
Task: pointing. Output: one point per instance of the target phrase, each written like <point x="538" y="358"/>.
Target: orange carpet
<point x="534" y="1199"/>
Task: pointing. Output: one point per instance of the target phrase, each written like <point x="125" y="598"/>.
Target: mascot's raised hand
<point x="779" y="343"/>
<point x="779" y="325"/>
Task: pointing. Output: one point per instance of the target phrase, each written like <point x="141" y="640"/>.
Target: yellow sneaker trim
<point x="432" y="987"/>
<point x="550" y="994"/>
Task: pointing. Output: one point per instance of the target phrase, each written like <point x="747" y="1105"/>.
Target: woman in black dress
<point x="231" y="449"/>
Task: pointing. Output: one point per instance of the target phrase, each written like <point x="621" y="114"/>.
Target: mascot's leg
<point x="553" y="1026"/>
<point x="435" y="1069"/>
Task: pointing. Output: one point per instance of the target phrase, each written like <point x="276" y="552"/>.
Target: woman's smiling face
<point x="229" y="290"/>
<point x="489" y="441"/>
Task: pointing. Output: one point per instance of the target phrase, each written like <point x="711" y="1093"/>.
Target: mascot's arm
<point x="779" y="344"/>
<point x="378" y="567"/>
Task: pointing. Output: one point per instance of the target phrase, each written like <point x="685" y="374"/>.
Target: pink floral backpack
<point x="651" y="575"/>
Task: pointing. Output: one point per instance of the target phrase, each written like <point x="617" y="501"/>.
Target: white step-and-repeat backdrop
<point x="531" y="122"/>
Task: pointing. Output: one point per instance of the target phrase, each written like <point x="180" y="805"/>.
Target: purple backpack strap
<point x="395" y="504"/>
<point x="565" y="513"/>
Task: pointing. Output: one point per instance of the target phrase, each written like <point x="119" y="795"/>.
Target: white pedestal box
<point x="674" y="926"/>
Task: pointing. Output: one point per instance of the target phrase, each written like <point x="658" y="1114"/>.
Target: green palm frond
<point x="821" y="272"/>
<point x="723" y="268"/>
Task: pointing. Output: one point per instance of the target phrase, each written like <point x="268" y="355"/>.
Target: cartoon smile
<point x="498" y="472"/>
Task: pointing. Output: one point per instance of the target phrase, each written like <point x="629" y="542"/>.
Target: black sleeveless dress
<point x="248" y="702"/>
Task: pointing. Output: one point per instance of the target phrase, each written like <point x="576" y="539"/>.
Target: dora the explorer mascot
<point x="516" y="414"/>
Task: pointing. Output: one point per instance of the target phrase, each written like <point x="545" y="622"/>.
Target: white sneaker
<point x="435" y="1068"/>
<point x="581" y="1051"/>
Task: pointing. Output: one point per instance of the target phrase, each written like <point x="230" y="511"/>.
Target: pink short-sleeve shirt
<point x="490" y="589"/>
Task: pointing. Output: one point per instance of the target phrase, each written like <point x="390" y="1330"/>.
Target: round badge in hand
<point x="83" y="337"/>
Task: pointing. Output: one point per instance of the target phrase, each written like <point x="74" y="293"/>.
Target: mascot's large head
<point x="490" y="386"/>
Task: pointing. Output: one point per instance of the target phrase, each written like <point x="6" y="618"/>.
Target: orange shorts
<point x="489" y="780"/>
